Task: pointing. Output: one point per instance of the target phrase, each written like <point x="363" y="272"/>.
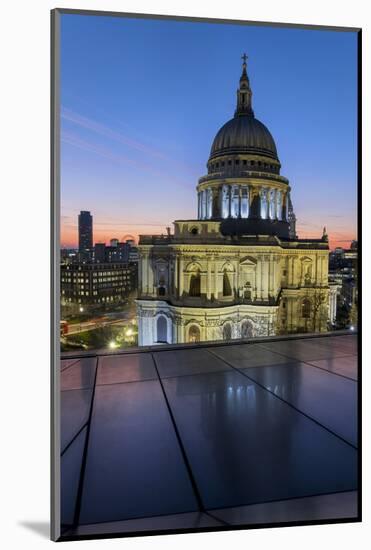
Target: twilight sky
<point x="141" y="101"/>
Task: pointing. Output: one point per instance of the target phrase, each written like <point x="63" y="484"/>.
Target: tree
<point x="319" y="310"/>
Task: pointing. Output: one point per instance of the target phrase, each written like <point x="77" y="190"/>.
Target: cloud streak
<point x="114" y="135"/>
<point x="106" y="132"/>
<point x="72" y="139"/>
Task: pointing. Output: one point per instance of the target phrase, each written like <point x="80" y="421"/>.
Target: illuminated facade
<point x="90" y="285"/>
<point x="238" y="270"/>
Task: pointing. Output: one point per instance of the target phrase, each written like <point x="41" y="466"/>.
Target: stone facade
<point x="202" y="283"/>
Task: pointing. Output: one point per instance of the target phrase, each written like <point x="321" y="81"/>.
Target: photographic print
<point x="206" y="176"/>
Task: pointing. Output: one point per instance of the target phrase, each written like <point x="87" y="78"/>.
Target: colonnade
<point x="234" y="201"/>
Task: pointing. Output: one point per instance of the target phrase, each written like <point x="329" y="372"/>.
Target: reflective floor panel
<point x="186" y="362"/>
<point x="305" y="350"/>
<point x="125" y="368"/>
<point x="247" y="355"/>
<point x="134" y="465"/>
<point x="79" y="375"/>
<point x="329" y="399"/>
<point x="75" y="407"/>
<point x="246" y="446"/>
<point x="346" y="366"/>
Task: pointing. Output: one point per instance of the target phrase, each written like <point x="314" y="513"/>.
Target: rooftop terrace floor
<point x="211" y="436"/>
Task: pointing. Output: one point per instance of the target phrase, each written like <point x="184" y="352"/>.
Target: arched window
<point x="194" y="334"/>
<point x="247" y="329"/>
<point x="161" y="329"/>
<point x="305" y="308"/>
<point x="195" y="284"/>
<point x="227" y="331"/>
<point x="227" y="288"/>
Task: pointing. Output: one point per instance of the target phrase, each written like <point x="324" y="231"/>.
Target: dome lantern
<point x="244" y="93"/>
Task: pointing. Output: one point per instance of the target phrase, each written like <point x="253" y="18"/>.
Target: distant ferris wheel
<point x="127" y="238"/>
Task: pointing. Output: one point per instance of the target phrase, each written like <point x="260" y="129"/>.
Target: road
<point x="92" y="324"/>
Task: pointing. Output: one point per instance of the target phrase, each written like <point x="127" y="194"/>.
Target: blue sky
<point x="141" y="101"/>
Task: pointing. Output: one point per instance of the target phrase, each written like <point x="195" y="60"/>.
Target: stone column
<point x="287" y="266"/>
<point x="208" y="280"/>
<point x="209" y="203"/>
<point x="318" y="270"/>
<point x="271" y="276"/>
<point x="216" y="290"/>
<point x="274" y="269"/>
<point x="169" y="275"/>
<point x="265" y="277"/>
<point x="181" y="276"/>
<point x="268" y="204"/>
<point x="147" y="273"/>
<point x="289" y="313"/>
<point x="237" y="268"/>
<point x="293" y="270"/>
<point x="175" y="280"/>
<point x="259" y="279"/>
<point x="150" y="277"/>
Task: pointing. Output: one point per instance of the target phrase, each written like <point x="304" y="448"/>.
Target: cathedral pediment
<point x="248" y="261"/>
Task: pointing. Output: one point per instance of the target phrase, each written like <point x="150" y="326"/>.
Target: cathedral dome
<point x="244" y="134"/>
<point x="243" y="187"/>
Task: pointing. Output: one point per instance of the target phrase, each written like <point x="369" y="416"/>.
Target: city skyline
<point x="134" y="121"/>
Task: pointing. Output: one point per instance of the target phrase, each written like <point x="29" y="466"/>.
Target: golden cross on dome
<point x="244" y="57"/>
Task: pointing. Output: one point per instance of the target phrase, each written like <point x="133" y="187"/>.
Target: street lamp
<point x="112" y="344"/>
<point x="81" y="309"/>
